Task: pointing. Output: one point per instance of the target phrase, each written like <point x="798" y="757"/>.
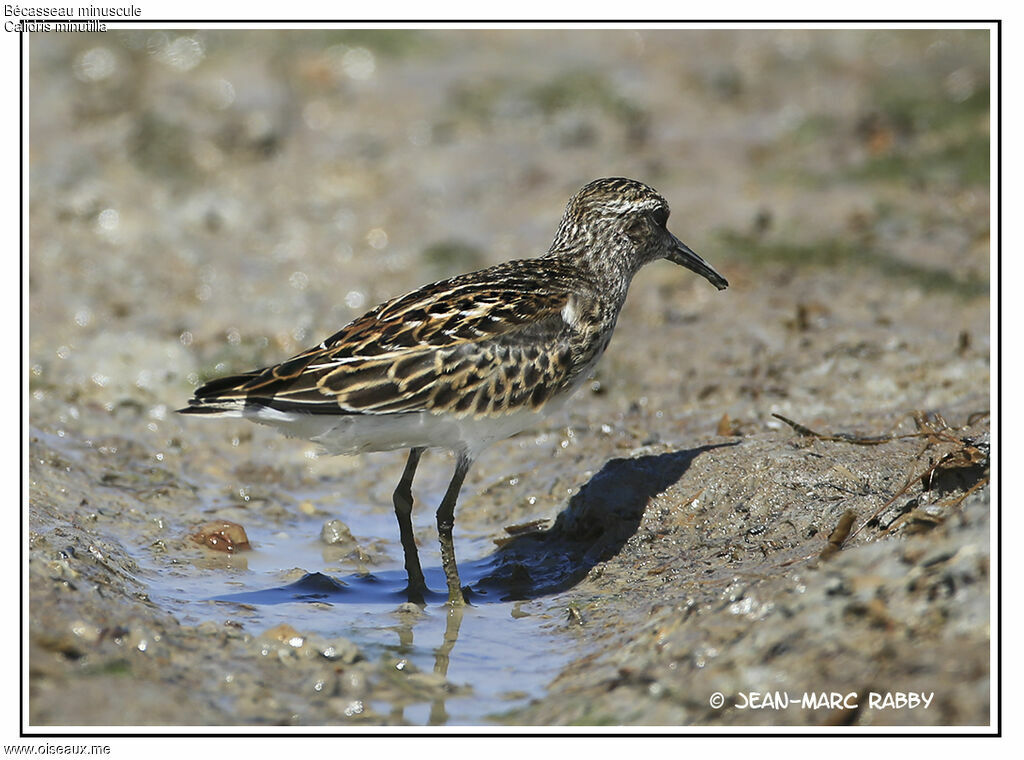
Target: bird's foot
<point x="461" y="597"/>
<point x="416" y="594"/>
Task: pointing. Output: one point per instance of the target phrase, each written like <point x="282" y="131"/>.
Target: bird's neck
<point x="607" y="263"/>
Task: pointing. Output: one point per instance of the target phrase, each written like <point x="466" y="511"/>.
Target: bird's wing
<point x="477" y="344"/>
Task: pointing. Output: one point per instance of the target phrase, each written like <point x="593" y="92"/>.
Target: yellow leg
<point x="445" y="523"/>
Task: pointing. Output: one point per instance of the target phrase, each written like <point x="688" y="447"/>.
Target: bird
<point x="467" y="361"/>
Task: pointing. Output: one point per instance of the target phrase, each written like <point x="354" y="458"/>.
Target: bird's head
<point x="626" y="221"/>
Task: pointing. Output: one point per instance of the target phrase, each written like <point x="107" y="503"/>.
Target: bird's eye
<point x="660" y="216"/>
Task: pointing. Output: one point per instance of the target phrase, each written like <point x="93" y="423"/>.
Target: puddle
<point x="495" y="653"/>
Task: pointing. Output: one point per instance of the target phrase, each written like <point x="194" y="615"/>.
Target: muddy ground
<point x="207" y="202"/>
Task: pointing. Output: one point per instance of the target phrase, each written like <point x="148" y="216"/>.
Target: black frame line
<point x="483" y="733"/>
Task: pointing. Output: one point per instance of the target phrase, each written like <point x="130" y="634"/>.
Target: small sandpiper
<point x="465" y="362"/>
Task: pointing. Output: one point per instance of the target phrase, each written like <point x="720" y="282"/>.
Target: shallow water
<point x="495" y="653"/>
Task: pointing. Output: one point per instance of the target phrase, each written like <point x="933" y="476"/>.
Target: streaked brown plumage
<point x="469" y="360"/>
<point x="479" y="344"/>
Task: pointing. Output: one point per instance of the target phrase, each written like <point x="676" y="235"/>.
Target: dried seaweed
<point x="969" y="456"/>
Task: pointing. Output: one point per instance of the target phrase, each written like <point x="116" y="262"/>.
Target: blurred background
<point x="247" y="192"/>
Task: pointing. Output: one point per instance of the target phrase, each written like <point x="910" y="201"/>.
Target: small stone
<point x="286" y="635"/>
<point x="222" y="535"/>
<point x="86" y="631"/>
<point x="336" y="532"/>
<point x="339" y="650"/>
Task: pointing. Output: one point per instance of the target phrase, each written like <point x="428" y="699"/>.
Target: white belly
<point x="357" y="433"/>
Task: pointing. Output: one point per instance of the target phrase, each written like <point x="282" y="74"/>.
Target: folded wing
<point x="479" y="344"/>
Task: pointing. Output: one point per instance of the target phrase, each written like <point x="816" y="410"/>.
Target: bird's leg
<point x="403" y="510"/>
<point x="445" y="523"/>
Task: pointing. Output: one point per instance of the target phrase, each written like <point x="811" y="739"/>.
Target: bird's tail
<point x="222" y="397"/>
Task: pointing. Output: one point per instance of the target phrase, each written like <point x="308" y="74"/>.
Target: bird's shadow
<point x="594" y="526"/>
<point x="598" y="520"/>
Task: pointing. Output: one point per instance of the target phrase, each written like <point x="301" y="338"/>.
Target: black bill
<point x="681" y="254"/>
